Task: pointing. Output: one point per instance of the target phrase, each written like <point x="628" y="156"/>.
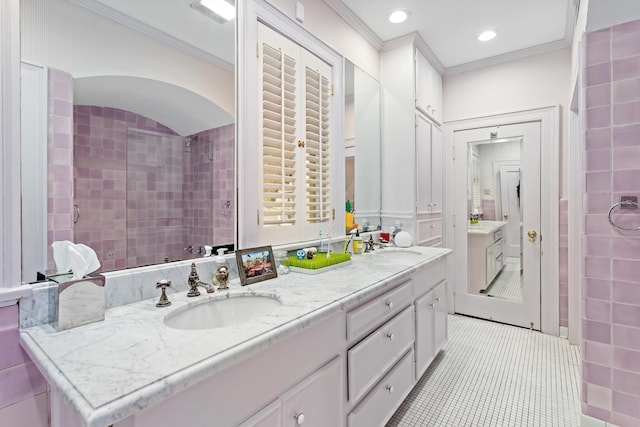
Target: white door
<point x="509" y="198"/>
<point x="523" y="311"/>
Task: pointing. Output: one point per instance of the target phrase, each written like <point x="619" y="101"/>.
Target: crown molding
<point x="509" y="56"/>
<point x="415" y="39"/>
<point x="354" y="20"/>
<point x="153" y="32"/>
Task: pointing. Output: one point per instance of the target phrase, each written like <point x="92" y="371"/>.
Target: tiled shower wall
<point x="208" y="188"/>
<point x="100" y="160"/>
<point x="611" y="282"/>
<point x="564" y="263"/>
<point x="173" y="191"/>
<point x="60" y="155"/>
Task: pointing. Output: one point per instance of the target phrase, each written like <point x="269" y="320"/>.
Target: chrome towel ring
<point x="623" y="204"/>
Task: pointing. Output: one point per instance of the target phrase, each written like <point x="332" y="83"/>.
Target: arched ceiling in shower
<point x="160" y="101"/>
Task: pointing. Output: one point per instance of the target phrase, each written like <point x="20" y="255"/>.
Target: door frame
<point x="549" y="118"/>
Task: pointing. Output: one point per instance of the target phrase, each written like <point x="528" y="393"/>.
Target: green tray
<point x="319" y="264"/>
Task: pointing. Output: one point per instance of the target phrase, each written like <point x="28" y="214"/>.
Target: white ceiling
<point x="450" y="27"/>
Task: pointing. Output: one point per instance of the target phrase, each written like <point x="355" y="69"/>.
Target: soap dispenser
<point x="221" y="275"/>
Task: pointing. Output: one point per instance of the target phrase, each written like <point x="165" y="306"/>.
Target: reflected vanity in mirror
<point x="362" y="146"/>
<point x="494" y="218"/>
<point x="128" y="131"/>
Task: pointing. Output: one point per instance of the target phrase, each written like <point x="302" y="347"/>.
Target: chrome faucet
<point x="194" y="281"/>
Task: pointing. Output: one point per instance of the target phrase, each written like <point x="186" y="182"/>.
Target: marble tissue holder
<point x="79" y="302"/>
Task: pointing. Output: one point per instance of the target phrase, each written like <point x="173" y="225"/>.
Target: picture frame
<point x="256" y="264"/>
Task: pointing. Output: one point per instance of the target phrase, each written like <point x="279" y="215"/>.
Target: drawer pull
<point x="390" y="305"/>
<point x="437" y="300"/>
<point x="390" y="389"/>
<point x="390" y="336"/>
<point x="432" y="305"/>
<point x="299" y="418"/>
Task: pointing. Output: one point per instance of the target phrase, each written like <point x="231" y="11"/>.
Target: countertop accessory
<point x="255" y="265"/>
<point x="222" y="277"/>
<point x="319" y="264"/>
<point x="402" y="239"/>
<point x="79" y="302"/>
<point x="164" y="300"/>
<point x="626" y="202"/>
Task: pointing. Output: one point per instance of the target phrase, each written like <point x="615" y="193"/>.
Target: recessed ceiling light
<point x="399" y="15"/>
<point x="487" y="35"/>
<point x="219" y="10"/>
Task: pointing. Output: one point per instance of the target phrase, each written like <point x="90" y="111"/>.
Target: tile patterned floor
<point x="495" y="375"/>
<point x="508" y="283"/>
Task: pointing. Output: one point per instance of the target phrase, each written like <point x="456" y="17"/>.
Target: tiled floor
<point x="508" y="283"/>
<point x="494" y="375"/>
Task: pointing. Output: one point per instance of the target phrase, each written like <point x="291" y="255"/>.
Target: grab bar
<point x="625" y="204"/>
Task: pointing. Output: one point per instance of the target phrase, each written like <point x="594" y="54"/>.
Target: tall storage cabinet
<point x="412" y="143"/>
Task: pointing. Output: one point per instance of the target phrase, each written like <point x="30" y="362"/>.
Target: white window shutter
<point x="294" y="130"/>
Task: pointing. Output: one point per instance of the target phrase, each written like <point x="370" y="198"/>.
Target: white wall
<point x="532" y="82"/>
<point x="325" y="24"/>
<point x="67" y="37"/>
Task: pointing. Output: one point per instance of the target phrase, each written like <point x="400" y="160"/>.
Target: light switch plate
<point x="299" y="12"/>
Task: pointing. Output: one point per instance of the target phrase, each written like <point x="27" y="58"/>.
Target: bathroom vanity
<point x="486" y="243"/>
<point x="343" y="348"/>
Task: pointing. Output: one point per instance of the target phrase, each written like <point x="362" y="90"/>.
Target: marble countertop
<point x="112" y="369"/>
<point x="485" y="227"/>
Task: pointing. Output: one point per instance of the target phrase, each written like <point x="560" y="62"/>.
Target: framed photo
<point x="256" y="265"/>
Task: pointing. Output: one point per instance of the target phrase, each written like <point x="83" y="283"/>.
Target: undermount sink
<point x="223" y="312"/>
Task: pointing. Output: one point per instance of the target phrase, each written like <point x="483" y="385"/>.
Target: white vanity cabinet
<point x="313" y="402"/>
<point x="431" y="315"/>
<point x="405" y="327"/>
<point x="303" y="374"/>
<point x="486" y="254"/>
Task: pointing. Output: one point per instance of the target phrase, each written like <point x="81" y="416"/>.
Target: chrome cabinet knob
<point x="390" y="336"/>
<point x="390" y="389"/>
<point x="390" y="304"/>
<point x="299" y="418"/>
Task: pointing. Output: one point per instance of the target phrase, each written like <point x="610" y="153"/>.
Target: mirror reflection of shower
<point x="493" y="198"/>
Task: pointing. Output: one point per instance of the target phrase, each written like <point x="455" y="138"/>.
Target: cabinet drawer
<point x="381" y="403"/>
<point x="426" y="279"/>
<point x="377" y="311"/>
<point x="497" y="235"/>
<point x="372" y="357"/>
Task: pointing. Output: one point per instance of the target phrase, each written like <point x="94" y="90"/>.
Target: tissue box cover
<point x="80" y="302"/>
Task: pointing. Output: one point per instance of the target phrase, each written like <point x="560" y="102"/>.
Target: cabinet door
<point x="316" y="401"/>
<point x="437" y="160"/>
<point x="425" y="338"/>
<point x="423" y="165"/>
<point x="270" y="416"/>
<point x="440" y="315"/>
<point x="428" y="88"/>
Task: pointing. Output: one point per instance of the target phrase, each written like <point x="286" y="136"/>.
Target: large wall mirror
<point x="128" y="130"/>
<point x="362" y="146"/>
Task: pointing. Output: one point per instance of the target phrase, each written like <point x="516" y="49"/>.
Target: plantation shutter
<point x="294" y="130"/>
<point x="317" y="139"/>
<point x="279" y="136"/>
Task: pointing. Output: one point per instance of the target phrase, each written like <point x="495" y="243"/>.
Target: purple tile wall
<point x="611" y="283"/>
<point x="100" y="160"/>
<point x="210" y="160"/>
<point x="488" y="209"/>
<point x="60" y="155"/>
<point x="19" y="377"/>
<point x="564" y="262"/>
<point x="171" y="194"/>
